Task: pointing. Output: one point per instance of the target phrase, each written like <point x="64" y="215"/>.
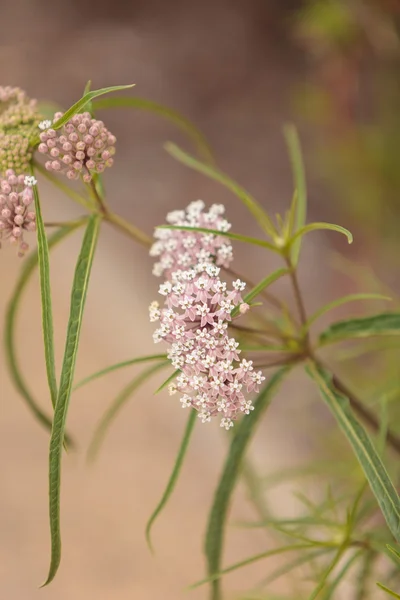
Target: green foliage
<point x="219" y="510"/>
<point x="340" y="302"/>
<point x="260" y="287"/>
<point x="381" y="324"/>
<point x="78" y="297"/>
<point x="174" y="475"/>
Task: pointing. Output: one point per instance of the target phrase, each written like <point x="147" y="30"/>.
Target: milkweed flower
<point x="194" y="322"/>
<point x="18" y="127"/>
<point x="16" y="196"/>
<point x="81" y="147"/>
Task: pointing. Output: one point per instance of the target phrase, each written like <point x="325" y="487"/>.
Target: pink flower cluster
<point x="16" y="196"/>
<point x="184" y="249"/>
<point x="83" y="146"/>
<point x="194" y="321"/>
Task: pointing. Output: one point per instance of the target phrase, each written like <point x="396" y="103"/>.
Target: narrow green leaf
<point x="45" y="294"/>
<point x="230" y="473"/>
<point x="260" y="287"/>
<point x="388" y="590"/>
<point x="174" y="475"/>
<point x="248" y="561"/>
<point x="167" y="381"/>
<point x="340" y="576"/>
<point x="251" y="204"/>
<point x="117" y="366"/>
<point x="28" y="268"/>
<point x="341" y="550"/>
<point x="395" y="552"/>
<point x="316" y="226"/>
<point x="82" y="103"/>
<point x="380" y="324"/>
<point x="116" y="405"/>
<point x="163" y="111"/>
<point x="305" y="557"/>
<point x="78" y="297"/>
<point x="89" y="105"/>
<point x="373" y="468"/>
<point x="340" y="302"/>
<point x="296" y="159"/>
<point x="233" y="236"/>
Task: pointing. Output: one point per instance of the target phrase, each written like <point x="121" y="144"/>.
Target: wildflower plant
<point x="229" y="343"/>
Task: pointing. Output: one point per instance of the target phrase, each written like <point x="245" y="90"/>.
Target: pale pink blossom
<point x="16" y="217"/>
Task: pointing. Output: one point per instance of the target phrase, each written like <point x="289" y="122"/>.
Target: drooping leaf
<point x="174" y="475"/>
<point x="340" y="302"/>
<point x="45" y="295"/>
<point x="388" y="591"/>
<point x="251" y="203"/>
<point x="230" y="473"/>
<point x="380" y="324"/>
<point x="317" y="226"/>
<point x="233" y="236"/>
<point x="28" y="269"/>
<point x="260" y="287"/>
<point x="163" y="111"/>
<point x="78" y="297"/>
<point x="82" y="103"/>
<point x="116" y="405"/>
<point x="117" y="366"/>
<point x="374" y="470"/>
<point x="296" y="159"/>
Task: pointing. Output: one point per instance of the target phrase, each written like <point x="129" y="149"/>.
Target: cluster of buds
<point x="18" y="126"/>
<point x="16" y="196"/>
<point x="81" y="147"/>
<point x="183" y="249"/>
<point x="194" y="321"/>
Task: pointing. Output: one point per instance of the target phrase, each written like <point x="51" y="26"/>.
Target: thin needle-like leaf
<point x="251" y="203"/>
<point x="260" y="287"/>
<point x="163" y="111"/>
<point x="167" y="381"/>
<point x="117" y="366"/>
<point x="341" y="550"/>
<point x="296" y="159"/>
<point x="340" y="302"/>
<point x="174" y="475"/>
<point x="78" y="297"/>
<point x="115" y="407"/>
<point x="45" y="295"/>
<point x="231" y="470"/>
<point x="14" y="368"/>
<point x="388" y="591"/>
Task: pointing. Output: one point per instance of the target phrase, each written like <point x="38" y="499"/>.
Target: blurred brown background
<point x="239" y="69"/>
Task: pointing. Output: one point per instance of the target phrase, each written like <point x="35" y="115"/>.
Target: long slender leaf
<point x="174" y="475"/>
<point x="167" y="381"/>
<point x="317" y="226"/>
<point x="233" y="236"/>
<point x="339" y="577"/>
<point x="81" y="104"/>
<point x="251" y="204"/>
<point x="297" y="562"/>
<point x="321" y="584"/>
<point x="230" y="473"/>
<point x="296" y="159"/>
<point x="14" y="368"/>
<point x="45" y="294"/>
<point x="373" y="468"/>
<point x="115" y="407"/>
<point x="394" y="552"/>
<point x="163" y="111"/>
<point x="340" y="302"/>
<point x="252" y="559"/>
<point x="260" y="287"/>
<point x="78" y="297"/>
<point x="117" y="366"/>
<point x="380" y="324"/>
<point x="388" y="591"/>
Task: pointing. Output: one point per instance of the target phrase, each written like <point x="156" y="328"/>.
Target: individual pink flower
<point x="82" y="147"/>
<point x="16" y="196"/>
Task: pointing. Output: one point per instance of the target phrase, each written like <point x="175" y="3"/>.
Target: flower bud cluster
<point x="18" y="126"/>
<point x="16" y="196"/>
<point x="194" y="321"/>
<point x="81" y="147"/>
